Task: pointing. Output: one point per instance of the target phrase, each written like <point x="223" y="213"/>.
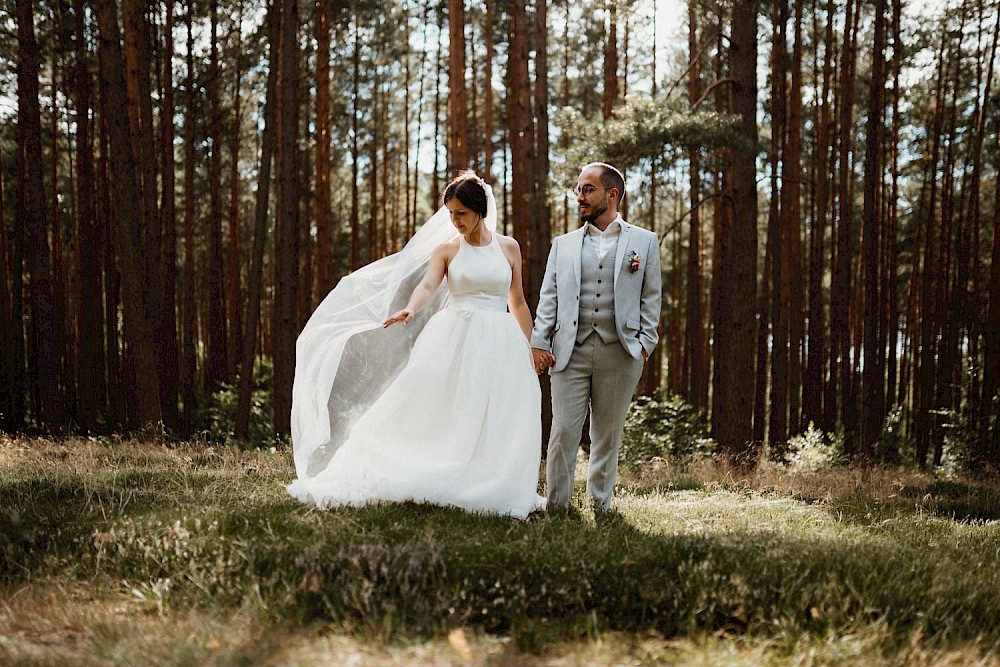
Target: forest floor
<point x="122" y="552"/>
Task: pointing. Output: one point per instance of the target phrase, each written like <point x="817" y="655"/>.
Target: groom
<point x="595" y="326"/>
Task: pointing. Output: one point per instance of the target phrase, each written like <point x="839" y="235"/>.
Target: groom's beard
<point x="595" y="211"/>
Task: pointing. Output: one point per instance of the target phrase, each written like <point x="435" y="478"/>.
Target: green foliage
<point x="667" y="429"/>
<point x="641" y="130"/>
<point x="814" y="450"/>
<point x="216" y="417"/>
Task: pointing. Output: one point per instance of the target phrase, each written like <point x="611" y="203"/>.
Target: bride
<point x="444" y="409"/>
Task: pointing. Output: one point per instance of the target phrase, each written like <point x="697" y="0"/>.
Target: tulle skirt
<point x="459" y="426"/>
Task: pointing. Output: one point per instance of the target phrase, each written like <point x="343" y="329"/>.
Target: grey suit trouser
<point x="602" y="376"/>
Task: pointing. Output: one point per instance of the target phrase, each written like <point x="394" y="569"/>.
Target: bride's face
<point x="464" y="218"/>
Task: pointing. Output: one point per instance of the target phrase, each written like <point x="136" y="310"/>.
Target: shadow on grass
<point x="418" y="570"/>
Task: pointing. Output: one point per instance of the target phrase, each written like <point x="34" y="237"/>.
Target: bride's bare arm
<point x="426" y="289"/>
<point x="516" y="302"/>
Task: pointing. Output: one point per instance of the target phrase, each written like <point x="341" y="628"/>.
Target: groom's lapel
<point x="576" y="253"/>
<point x="622" y="246"/>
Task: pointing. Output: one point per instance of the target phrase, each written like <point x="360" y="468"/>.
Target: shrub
<point x="814" y="450"/>
<point x="666" y="428"/>
<point x="217" y="417"/>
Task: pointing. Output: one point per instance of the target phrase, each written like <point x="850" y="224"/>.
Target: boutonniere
<point x="633" y="261"/>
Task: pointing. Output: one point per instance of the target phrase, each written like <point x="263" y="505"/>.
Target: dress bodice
<point x="479" y="277"/>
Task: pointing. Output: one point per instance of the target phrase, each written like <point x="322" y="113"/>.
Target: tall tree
<point x="285" y="321"/>
<point x="873" y="378"/>
<point x="542" y="227"/>
<point x="522" y="137"/>
<point x="216" y="358"/>
<point x="31" y="195"/>
<point x="189" y="356"/>
<point x="128" y="213"/>
<point x="10" y="388"/>
<point x="732" y="409"/>
<point x="90" y="320"/>
<point x="610" y="99"/>
<point x="256" y="275"/>
<point x="458" y="105"/>
<point x="169" y="359"/>
<point x="234" y="284"/>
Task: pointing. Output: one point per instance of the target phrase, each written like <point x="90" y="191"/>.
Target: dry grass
<point x="122" y="552"/>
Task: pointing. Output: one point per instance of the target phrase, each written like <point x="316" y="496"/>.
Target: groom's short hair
<point x="610" y="177"/>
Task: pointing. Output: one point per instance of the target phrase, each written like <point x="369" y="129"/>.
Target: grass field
<point x="125" y="552"/>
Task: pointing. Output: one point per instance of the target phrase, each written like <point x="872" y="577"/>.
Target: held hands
<point x="543" y="359"/>
<point x="403" y="316"/>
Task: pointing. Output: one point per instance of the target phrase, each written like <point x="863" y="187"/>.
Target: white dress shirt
<point x="604" y="241"/>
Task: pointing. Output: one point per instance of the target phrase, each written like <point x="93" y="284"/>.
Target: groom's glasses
<point x="585" y="190"/>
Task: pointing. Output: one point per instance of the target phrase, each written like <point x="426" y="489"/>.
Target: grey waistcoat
<point x="597" y="294"/>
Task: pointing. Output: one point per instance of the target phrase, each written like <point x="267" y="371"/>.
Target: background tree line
<point x="184" y="180"/>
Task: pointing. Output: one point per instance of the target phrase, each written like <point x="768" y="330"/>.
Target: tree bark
<point x="234" y="284"/>
<point x="286" y="228"/>
<point x="610" y="99"/>
<point x="169" y="361"/>
<point x="36" y="217"/>
<point x="128" y="212"/>
<point x="189" y="354"/>
<point x="522" y="138"/>
<point x="732" y="411"/>
<point x="873" y="379"/>
<point x="458" y="156"/>
<point x="216" y="359"/>
<point x="255" y="278"/>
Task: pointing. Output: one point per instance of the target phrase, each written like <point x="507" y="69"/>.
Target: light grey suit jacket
<point x="637" y="294"/>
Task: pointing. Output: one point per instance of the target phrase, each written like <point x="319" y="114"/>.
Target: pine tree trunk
<point x="522" y="138"/>
<point x="488" y="128"/>
<point x="732" y="410"/>
<point x="234" y="345"/>
<point x="128" y="211"/>
<point x="928" y="349"/>
<point x="324" y="224"/>
<point x="8" y="356"/>
<point x="136" y="52"/>
<point x="355" y="150"/>
<point x="287" y="225"/>
<point x="610" y="99"/>
<point x="538" y="250"/>
<point x="989" y="443"/>
<point x="816" y="385"/>
<point x="792" y="265"/>
<point x="873" y="379"/>
<point x="255" y="278"/>
<point x="189" y="348"/>
<point x="216" y="361"/>
<point x="693" y="334"/>
<point x="90" y="321"/>
<point x="458" y="156"/>
<point x="32" y="203"/>
<point x="169" y="362"/>
<point x="777" y="429"/>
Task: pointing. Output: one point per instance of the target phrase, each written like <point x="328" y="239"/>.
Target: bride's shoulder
<point x="507" y="241"/>
<point x="447" y="249"/>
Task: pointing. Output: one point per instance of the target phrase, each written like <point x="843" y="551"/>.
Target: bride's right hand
<point x="403" y="316"/>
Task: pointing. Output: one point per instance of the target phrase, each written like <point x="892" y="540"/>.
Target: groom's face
<point x="591" y="196"/>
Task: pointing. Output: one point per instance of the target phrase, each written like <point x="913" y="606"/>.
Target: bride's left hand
<point x="403" y="316"/>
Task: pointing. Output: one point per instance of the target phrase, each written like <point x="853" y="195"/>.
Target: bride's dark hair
<point x="469" y="189"/>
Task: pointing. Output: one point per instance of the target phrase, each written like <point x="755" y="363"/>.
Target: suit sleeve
<point x="649" y="302"/>
<point x="545" y="314"/>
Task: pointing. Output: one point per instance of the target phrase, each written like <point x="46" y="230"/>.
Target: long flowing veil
<point x="344" y="359"/>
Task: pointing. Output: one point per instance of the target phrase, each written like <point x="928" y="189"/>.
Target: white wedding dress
<point x="460" y="425"/>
